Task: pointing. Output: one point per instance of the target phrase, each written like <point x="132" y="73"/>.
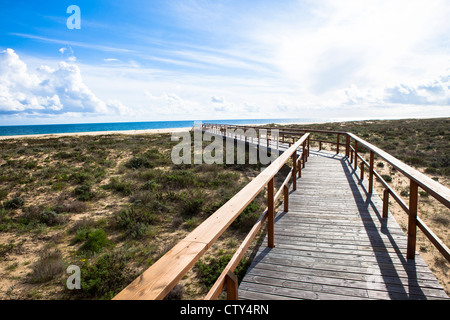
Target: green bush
<point x="125" y="188"/>
<point x="36" y="214"/>
<point x="386" y="177"/>
<point x="106" y="277"/>
<point x="14" y="203"/>
<point x="83" y="193"/>
<point x="138" y="162"/>
<point x="96" y="240"/>
<point x="209" y="269"/>
<point x="135" y="221"/>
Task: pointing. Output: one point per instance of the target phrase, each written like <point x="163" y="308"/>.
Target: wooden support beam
<point x="232" y="286"/>
<point x="412" y="220"/>
<point x="286" y="198"/>
<point x="371" y="168"/>
<point x="271" y="213"/>
<point x="385" y="203"/>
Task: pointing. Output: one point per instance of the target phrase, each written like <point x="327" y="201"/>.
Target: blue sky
<point x="198" y="59"/>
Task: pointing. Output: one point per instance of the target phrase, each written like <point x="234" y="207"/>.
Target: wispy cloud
<point x="73" y="43"/>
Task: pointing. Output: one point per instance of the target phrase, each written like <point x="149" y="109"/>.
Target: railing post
<point x="286" y="198"/>
<point x="307" y="155"/>
<point x="270" y="213"/>
<point x="412" y="220"/>
<point x="385" y="203"/>
<point x="232" y="286"/>
<point x="300" y="167"/>
<point x="371" y="171"/>
<point x="347" y="145"/>
<point x="294" y="170"/>
<point x="362" y="171"/>
<point x="356" y="155"/>
<point x="337" y="143"/>
<point x="304" y="154"/>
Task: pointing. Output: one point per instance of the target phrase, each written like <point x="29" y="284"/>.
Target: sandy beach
<point x="93" y="133"/>
<point x="129" y="132"/>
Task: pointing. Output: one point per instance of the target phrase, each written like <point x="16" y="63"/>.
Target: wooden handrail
<point x="417" y="179"/>
<point x="431" y="186"/>
<point x="157" y="281"/>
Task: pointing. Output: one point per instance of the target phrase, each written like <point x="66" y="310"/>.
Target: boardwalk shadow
<point x="366" y="202"/>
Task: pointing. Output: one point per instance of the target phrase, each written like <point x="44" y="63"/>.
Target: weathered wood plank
<point x="334" y="244"/>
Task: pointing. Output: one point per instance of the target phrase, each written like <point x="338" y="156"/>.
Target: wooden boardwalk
<point x="334" y="244"/>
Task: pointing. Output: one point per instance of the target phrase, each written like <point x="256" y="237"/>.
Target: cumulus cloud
<point x="426" y="93"/>
<point x="47" y="91"/>
<point x="435" y="92"/>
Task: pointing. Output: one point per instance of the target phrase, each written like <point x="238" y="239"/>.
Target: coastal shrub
<point x="120" y="186"/>
<point x="49" y="265"/>
<point x="83" y="193"/>
<point x="180" y="179"/>
<point x="37" y="214"/>
<point x="14" y="203"/>
<point x="150" y="185"/>
<point x="192" y="203"/>
<point x="96" y="240"/>
<point x="248" y="217"/>
<point x="106" y="277"/>
<point x="3" y="194"/>
<point x="386" y="177"/>
<point x="134" y="222"/>
<point x="138" y="162"/>
<point x="210" y="268"/>
<point x="176" y="293"/>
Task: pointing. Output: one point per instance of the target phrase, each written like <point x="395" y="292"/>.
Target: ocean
<point x="127" y="126"/>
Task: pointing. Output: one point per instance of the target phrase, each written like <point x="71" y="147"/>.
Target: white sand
<point x="56" y="135"/>
<point x="147" y="131"/>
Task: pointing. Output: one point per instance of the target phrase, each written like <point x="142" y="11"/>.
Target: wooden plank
<point x="335" y="244"/>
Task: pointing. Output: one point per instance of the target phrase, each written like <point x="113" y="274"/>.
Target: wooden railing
<point x="417" y="179"/>
<point x="157" y="281"/>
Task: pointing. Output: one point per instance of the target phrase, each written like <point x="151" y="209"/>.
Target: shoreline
<point x="127" y="132"/>
<point x="94" y="133"/>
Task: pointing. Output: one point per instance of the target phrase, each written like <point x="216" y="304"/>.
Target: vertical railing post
<point x="232" y="286"/>
<point x="307" y="155"/>
<point x="270" y="214"/>
<point x="300" y="167"/>
<point x="412" y="220"/>
<point x="362" y="171"/>
<point x="347" y="145"/>
<point x="356" y="155"/>
<point x="385" y="203"/>
<point x="337" y="143"/>
<point x="304" y="154"/>
<point x="286" y="198"/>
<point x="294" y="170"/>
<point x="371" y="160"/>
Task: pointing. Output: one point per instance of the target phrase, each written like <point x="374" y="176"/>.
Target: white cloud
<point x="47" y="91"/>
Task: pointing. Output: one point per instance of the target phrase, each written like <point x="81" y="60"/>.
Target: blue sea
<point x="126" y="126"/>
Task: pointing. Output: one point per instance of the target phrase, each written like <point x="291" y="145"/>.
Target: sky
<point x="224" y="59"/>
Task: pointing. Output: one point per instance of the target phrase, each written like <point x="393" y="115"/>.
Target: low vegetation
<point x="110" y="204"/>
